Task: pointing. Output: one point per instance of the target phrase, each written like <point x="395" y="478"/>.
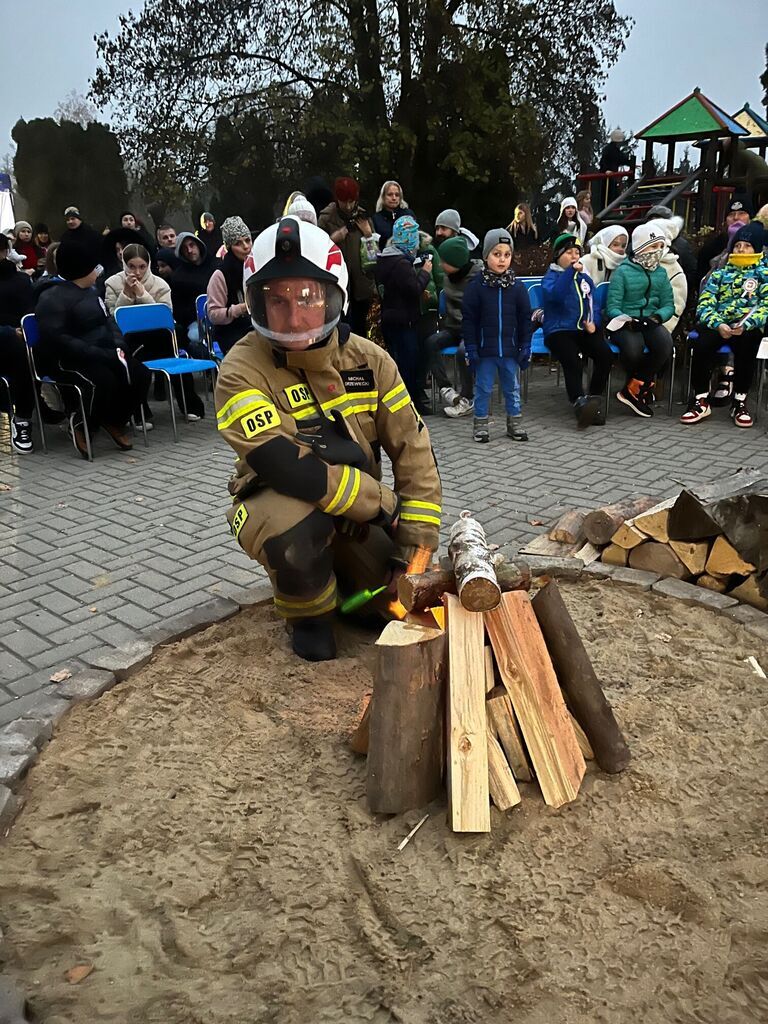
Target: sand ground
<point x="200" y="836"/>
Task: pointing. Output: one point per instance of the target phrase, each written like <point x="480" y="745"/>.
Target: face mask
<point x="649" y="260"/>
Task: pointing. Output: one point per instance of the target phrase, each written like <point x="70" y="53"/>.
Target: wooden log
<point x="725" y="559"/>
<point x="653" y="523"/>
<point x="749" y="593"/>
<point x="360" y="738"/>
<point x="614" y="555"/>
<point x="712" y="583"/>
<point x="527" y="673"/>
<point x="542" y="545"/>
<point x="502" y="718"/>
<point x="588" y="553"/>
<point x="577" y="678"/>
<point x="600" y="525"/>
<point x="406" y="751"/>
<point x="692" y="553"/>
<point x="584" y="745"/>
<point x="501" y="781"/>
<point x="660" y="558"/>
<point x="476" y="582"/>
<point x="468" y="808"/>
<point x="569" y="528"/>
<point x="417" y="592"/>
<point x="628" y="536"/>
<point x="735" y="505"/>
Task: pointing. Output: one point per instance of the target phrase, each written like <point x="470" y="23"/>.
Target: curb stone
<point x="634" y="577"/>
<point x="599" y="570"/>
<point x="86" y="685"/>
<point x="48" y="709"/>
<point x="179" y="627"/>
<point x="36" y="731"/>
<point x="745" y="613"/>
<point x="122" y="661"/>
<point x="10" y="805"/>
<point x="13" y="766"/>
<point x="691" y="594"/>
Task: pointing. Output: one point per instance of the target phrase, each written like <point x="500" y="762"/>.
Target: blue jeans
<point x="485" y="377"/>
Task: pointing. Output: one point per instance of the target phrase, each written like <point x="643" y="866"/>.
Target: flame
<point x="420" y="562"/>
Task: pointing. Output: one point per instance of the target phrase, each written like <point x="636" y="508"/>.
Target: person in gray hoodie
<point x="190" y="279"/>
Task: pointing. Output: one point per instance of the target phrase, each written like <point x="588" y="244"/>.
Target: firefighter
<point x="308" y="407"/>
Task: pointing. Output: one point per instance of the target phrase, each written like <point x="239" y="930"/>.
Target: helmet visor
<point x="295" y="311"/>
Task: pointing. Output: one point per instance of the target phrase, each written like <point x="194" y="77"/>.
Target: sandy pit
<point x="200" y="836"/>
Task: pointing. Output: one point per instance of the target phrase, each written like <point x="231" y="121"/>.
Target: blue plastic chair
<point x="153" y="317"/>
<point x="205" y="327"/>
<point x="31" y="331"/>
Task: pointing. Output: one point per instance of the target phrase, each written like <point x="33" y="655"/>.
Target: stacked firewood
<point x="714" y="535"/>
<point x="446" y="705"/>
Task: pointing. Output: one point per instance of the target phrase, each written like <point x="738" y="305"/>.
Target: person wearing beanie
<point x="299" y="206"/>
<point x="614" y="157"/>
<point x="678" y="243"/>
<point x="25" y="247"/>
<point x="227" y="310"/>
<point x="639" y="302"/>
<point x="458" y="270"/>
<point x="351" y="229"/>
<point x="607" y="251"/>
<point x="733" y="311"/>
<point x="448" y="225"/>
<point x="41" y="239"/>
<point x="524" y="232"/>
<point x="568" y="221"/>
<point x="401" y="286"/>
<point x="77" y="230"/>
<point x="738" y="211"/>
<point x="497" y="331"/>
<point x="209" y="233"/>
<point x="671" y="227"/>
<point x="81" y="344"/>
<point x="390" y="205"/>
<point x="572" y="329"/>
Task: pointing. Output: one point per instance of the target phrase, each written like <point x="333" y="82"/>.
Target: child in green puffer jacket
<point x="639" y="301"/>
<point x="733" y="311"/>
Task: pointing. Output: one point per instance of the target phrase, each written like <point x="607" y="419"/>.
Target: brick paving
<point x="99" y="554"/>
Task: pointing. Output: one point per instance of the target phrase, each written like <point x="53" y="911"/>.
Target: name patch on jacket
<point x="357" y="380"/>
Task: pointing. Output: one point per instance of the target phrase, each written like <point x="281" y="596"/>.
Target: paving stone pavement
<point x="101" y="554"/>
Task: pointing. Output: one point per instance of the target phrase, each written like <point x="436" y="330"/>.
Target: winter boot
<point x="633" y="396"/>
<point x="587" y="408"/>
<point x="515" y="428"/>
<point x="481" y="431"/>
<point x="313" y="638"/>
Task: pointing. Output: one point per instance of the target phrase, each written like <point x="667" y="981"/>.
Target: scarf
<point x="498" y="280"/>
<point x="232" y="269"/>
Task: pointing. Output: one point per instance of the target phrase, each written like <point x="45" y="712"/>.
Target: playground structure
<point x="725" y="144"/>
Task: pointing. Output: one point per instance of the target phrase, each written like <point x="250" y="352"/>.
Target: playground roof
<point x="756" y="126"/>
<point x="694" y="117"/>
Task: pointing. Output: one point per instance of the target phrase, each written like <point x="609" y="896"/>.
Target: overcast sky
<point x="674" y="46"/>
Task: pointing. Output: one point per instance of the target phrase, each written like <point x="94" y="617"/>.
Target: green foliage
<point x="463" y="102"/>
<point x="60" y="164"/>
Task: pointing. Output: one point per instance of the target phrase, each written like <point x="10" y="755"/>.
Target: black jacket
<point x="402" y="289"/>
<point x="75" y="327"/>
<point x="16" y="294"/>
<point x="85" y="233"/>
<point x="190" y="280"/>
<point x="384" y="220"/>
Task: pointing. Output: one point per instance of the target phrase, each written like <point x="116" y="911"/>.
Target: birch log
<point x="476" y="582"/>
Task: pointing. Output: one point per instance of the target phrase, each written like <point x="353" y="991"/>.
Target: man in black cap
<point x="77" y="230"/>
<point x="739" y="212"/>
<point x="81" y="344"/>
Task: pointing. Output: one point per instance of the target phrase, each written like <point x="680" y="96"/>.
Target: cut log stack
<point x="714" y="535"/>
<point x="523" y="711"/>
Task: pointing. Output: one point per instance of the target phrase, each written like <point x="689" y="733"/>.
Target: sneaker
<point x="192" y="417"/>
<point x="698" y="409"/>
<point x="631" y="396"/>
<point x="21" y="436"/>
<point x="449" y="396"/>
<point x="515" y="428"/>
<point x="76" y="433"/>
<point x="148" y="423"/>
<point x="723" y="389"/>
<point x="587" y="409"/>
<point x="464" y="407"/>
<point x="481" y="433"/>
<point x="119" y="436"/>
<point x="740" y="414"/>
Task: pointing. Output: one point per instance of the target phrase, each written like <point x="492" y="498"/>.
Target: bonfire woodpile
<point x="479" y="688"/>
<point x="714" y="535"/>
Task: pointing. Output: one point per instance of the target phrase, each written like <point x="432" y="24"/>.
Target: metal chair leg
<point x="144" y="425"/>
<point x="671" y="381"/>
<point x="38" y="413"/>
<point x="86" y="431"/>
<point x="170" y="403"/>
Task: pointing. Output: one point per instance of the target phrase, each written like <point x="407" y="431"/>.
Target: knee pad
<point x="301" y="558"/>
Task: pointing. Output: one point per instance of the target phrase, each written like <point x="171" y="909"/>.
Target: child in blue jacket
<point x="497" y="330"/>
<point x="572" y="329"/>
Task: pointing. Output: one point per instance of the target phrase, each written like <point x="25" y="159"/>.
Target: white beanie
<point x="670" y="227"/>
<point x="617" y="135"/>
<point x="646" y="234"/>
<point x="607" y="235"/>
<point x="302" y="209"/>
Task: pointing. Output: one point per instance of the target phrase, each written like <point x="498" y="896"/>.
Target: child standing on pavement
<point x="497" y="332"/>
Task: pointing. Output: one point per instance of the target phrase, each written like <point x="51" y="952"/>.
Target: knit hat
<point x="739" y="204"/>
<point x="41" y="229"/>
<point x="645" y="235"/>
<point x="562" y="243"/>
<point x="20" y="225"/>
<point x="76" y="259"/>
<point x="607" y="235"/>
<point x="449" y="219"/>
<point x="617" y="135"/>
<point x="754" y="233"/>
<point x="232" y="229"/>
<point x="454" y="252"/>
<point x="204" y="216"/>
<point x="72" y="211"/>
<point x="670" y="227"/>
<point x="346" y="190"/>
<point x="494" y="237"/>
<point x="658" y="213"/>
<point x="405" y="235"/>
<point x="301" y="208"/>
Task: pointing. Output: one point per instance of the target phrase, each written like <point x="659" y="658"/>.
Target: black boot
<point x="587" y="409"/>
<point x="313" y="639"/>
